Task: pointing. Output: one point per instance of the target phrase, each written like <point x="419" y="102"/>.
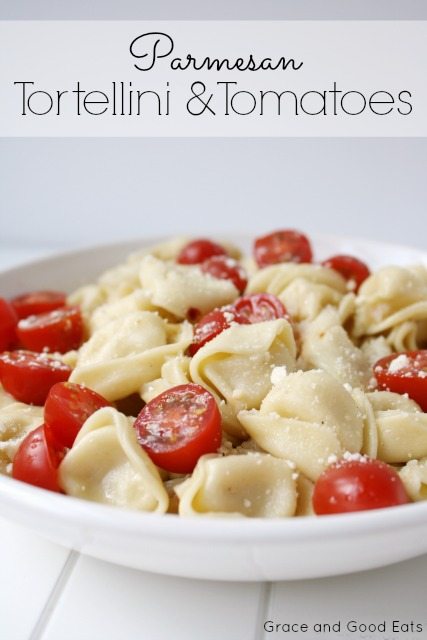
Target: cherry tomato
<point x="36" y="461"/>
<point x="352" y="269"/>
<point x="200" y="250"/>
<point x="226" y="268"/>
<point x="358" y="485"/>
<point x="60" y="330"/>
<point x="8" y="322"/>
<point x="28" y="376"/>
<point x="259" y="307"/>
<point x="404" y="373"/>
<point x="36" y="302"/>
<point x="179" y="426"/>
<point x="67" y="407"/>
<point x="282" y="246"/>
<point x="212" y="324"/>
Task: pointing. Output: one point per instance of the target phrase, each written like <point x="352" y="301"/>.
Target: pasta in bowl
<point x="295" y="395"/>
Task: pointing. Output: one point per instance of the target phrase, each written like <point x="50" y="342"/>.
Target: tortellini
<point x="307" y="417"/>
<point x="304" y="289"/>
<point x="389" y="298"/>
<point x="395" y="428"/>
<point x="115" y="310"/>
<point x="123" y="474"/>
<point x="174" y="372"/>
<point x="401" y="427"/>
<point x="327" y="346"/>
<point x="252" y="485"/>
<point x="414" y="477"/>
<point x="16" y="421"/>
<point x="177" y="288"/>
<point x="125" y="354"/>
<point x="237" y="365"/>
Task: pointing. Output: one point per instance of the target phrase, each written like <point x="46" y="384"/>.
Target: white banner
<point x="234" y="78"/>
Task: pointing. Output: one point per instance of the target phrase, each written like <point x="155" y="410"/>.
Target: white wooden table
<point x="51" y="593"/>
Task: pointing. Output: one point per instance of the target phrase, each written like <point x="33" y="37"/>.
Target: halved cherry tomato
<point x="259" y="307"/>
<point x="36" y="302"/>
<point x="282" y="246"/>
<point x="36" y="461"/>
<point x="179" y="426"/>
<point x="352" y="269"/>
<point x="226" y="268"/>
<point x="28" y="376"/>
<point x="200" y="250"/>
<point x="8" y="322"/>
<point x="358" y="485"/>
<point x="61" y="330"/>
<point x="404" y="373"/>
<point x="212" y="324"/>
<point x="67" y="407"/>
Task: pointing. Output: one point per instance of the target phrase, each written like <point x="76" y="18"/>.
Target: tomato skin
<point x="179" y="426"/>
<point x="226" y="268"/>
<point x="28" y="376"/>
<point x="8" y="322"/>
<point x="410" y="378"/>
<point x="259" y="307"/>
<point x="61" y="330"/>
<point x="358" y="485"/>
<point x="36" y="461"/>
<point x="352" y="269"/>
<point x="36" y="302"/>
<point x="286" y="245"/>
<point x="198" y="251"/>
<point x="212" y="324"/>
<point x="67" y="407"/>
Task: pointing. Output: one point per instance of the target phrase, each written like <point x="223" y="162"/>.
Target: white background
<point x="65" y="192"/>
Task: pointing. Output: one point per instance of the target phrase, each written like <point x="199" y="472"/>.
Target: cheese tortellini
<point x="236" y="366"/>
<point x="306" y="418"/>
<point x="304" y="289"/>
<point x="254" y="485"/>
<point x="106" y="464"/>
<point x="16" y="421"/>
<point x="390" y="298"/>
<point x="177" y="288"/>
<point x="125" y="354"/>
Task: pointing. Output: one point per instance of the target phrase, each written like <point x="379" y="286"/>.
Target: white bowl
<point x="212" y="548"/>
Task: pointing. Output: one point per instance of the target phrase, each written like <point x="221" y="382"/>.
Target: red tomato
<point x="200" y="250"/>
<point x="179" y="426"/>
<point x="36" y="461"/>
<point x="29" y="376"/>
<point x="259" y="307"/>
<point x="282" y="246"/>
<point x="60" y="330"/>
<point x="8" y="322"/>
<point x="36" y="302"/>
<point x="404" y="373"/>
<point x="212" y="324"/>
<point x="226" y="268"/>
<point x="358" y="485"/>
<point x="350" y="268"/>
<point x="67" y="407"/>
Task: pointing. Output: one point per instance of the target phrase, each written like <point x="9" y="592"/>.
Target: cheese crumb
<point x="398" y="363"/>
<point x="278" y="374"/>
